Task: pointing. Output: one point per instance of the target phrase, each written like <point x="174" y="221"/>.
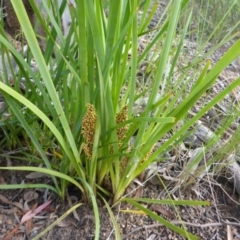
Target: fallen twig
<point x="216" y="224"/>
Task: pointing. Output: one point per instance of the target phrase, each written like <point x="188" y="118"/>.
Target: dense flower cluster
<point x="88" y="129"/>
<point x="120" y="118"/>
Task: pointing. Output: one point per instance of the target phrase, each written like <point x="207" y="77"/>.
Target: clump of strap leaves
<point x="93" y="130"/>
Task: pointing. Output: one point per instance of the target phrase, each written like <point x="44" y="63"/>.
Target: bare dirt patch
<point x="206" y="222"/>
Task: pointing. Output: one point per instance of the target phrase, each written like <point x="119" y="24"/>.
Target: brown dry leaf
<point x="30" y="195"/>
<point x="29" y="227"/>
<point x="10" y="234"/>
<point x="5" y="200"/>
<point x="9" y="211"/>
<point x="163" y="210"/>
<point x="64" y="223"/>
<point x="36" y="175"/>
<point x="38" y="225"/>
<point x="234" y="231"/>
<point x="138" y="192"/>
<point x="29" y="223"/>
<point x="70" y="202"/>
<point x="9" y="162"/>
<point x="2" y="180"/>
<point x="26" y="218"/>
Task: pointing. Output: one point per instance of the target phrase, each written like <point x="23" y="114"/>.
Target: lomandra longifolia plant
<point x="85" y="95"/>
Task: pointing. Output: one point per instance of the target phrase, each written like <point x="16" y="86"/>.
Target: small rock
<point x="152" y="237"/>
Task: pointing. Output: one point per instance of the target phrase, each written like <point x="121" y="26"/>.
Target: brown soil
<point x="207" y="222"/>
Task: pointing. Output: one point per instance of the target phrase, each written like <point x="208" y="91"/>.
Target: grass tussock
<point x="84" y="97"/>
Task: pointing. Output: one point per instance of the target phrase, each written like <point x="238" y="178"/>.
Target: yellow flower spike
<point x="120" y="118"/>
<point x="88" y="124"/>
<point x="87" y="151"/>
<point x="148" y="155"/>
<point x="123" y="164"/>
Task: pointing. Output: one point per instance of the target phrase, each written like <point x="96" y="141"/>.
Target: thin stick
<point x="216" y="224"/>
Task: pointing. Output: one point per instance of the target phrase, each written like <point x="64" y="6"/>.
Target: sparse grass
<point x="213" y="20"/>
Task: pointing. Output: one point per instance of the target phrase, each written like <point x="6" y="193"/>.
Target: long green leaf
<point x="166" y="223"/>
<point x="43" y="69"/>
